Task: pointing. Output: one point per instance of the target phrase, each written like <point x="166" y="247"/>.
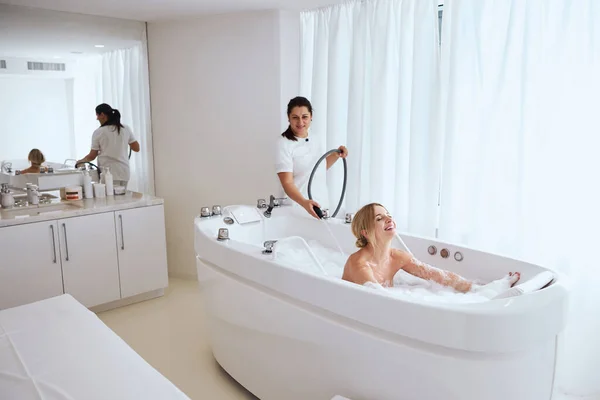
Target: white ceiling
<point x="157" y="10"/>
<point x="44" y="34"/>
<point x="52" y="29"/>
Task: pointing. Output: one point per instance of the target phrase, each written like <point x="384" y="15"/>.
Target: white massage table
<point x="57" y="349"/>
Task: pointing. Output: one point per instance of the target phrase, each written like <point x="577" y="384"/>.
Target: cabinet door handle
<point x="53" y="243"/>
<point x="122" y="236"/>
<point x="66" y="242"/>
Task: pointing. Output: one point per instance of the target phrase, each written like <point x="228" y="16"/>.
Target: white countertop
<point x="48" y="212"/>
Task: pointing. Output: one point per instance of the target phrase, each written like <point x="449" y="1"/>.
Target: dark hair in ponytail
<point x="114" y="116"/>
<point x="296" y="102"/>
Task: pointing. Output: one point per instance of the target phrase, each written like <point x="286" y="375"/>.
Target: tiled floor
<point x="169" y="333"/>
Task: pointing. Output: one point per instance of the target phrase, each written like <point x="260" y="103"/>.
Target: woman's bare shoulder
<point x="357" y="268"/>
<point x="401" y="256"/>
<point x="357" y="258"/>
<point x="355" y="261"/>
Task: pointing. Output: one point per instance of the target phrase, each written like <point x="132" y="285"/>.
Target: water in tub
<point x="406" y="286"/>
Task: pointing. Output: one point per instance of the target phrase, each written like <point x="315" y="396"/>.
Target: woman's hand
<point x="308" y="204"/>
<point x="333" y="157"/>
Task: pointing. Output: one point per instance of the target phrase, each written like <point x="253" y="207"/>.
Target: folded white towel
<point x="536" y="283"/>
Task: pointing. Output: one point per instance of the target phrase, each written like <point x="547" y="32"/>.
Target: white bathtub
<point x="285" y="333"/>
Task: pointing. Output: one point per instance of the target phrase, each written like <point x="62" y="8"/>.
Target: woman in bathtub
<point x="376" y="263"/>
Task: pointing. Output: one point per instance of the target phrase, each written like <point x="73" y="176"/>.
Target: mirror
<point x="55" y="68"/>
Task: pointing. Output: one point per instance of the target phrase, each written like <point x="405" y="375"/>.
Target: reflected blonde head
<point x="36" y="157"/>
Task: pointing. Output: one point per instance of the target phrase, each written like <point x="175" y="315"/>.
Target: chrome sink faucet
<point x="14" y="188"/>
<point x="273" y="202"/>
<point x="6" y="167"/>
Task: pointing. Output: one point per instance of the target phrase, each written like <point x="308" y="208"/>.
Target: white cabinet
<point x="142" y="249"/>
<point x="30" y="265"/>
<point x="89" y="258"/>
<point x="96" y="258"/>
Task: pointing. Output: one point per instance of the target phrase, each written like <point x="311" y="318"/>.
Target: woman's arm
<point x="333" y="157"/>
<point x="426" y="271"/>
<point x="287" y="181"/>
<point x="90" y="157"/>
<point x="135" y="146"/>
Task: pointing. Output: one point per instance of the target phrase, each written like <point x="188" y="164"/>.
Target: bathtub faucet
<point x="273" y="202"/>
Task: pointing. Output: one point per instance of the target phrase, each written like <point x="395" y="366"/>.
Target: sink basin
<point x="42" y="196"/>
<point x="39" y="210"/>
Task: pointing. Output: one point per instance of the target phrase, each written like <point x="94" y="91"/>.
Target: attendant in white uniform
<point x="111" y="143"/>
<point x="297" y="153"/>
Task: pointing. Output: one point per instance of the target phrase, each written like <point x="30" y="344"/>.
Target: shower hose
<point x="317" y="210"/>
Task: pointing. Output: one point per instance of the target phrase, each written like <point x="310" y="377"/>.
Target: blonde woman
<point x="36" y="158"/>
<point x="376" y="262"/>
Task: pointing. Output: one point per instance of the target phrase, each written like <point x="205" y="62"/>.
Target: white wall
<point x="289" y="44"/>
<point x="35" y="114"/>
<point x="216" y="92"/>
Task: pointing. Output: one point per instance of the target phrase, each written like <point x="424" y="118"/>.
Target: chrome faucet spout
<point x="273" y="202"/>
<point x="269" y="209"/>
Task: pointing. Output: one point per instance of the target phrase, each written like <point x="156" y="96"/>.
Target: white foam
<point x="433" y="292"/>
<point x="405" y="285"/>
<point x="293" y="255"/>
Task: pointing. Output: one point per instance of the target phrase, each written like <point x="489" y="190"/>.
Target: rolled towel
<point x="536" y="283"/>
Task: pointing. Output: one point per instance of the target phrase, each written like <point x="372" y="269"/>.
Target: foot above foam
<point x="538" y="282"/>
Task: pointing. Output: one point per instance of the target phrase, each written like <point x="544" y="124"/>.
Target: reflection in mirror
<point x="55" y="68"/>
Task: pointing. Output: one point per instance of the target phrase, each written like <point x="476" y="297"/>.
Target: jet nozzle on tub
<point x="269" y="244"/>
<point x="223" y="234"/>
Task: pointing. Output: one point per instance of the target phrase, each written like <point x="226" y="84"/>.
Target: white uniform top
<point x="113" y="149"/>
<point x="300" y="157"/>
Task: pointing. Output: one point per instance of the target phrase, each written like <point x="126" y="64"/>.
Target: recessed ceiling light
<point x="99" y="45"/>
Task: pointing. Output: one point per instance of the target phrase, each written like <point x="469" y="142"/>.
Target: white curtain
<point x="119" y="78"/>
<point x="85" y="99"/>
<point x="370" y="69"/>
<point x="124" y="85"/>
<point x="520" y="166"/>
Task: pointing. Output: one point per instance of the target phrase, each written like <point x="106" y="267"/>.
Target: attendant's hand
<point x="308" y="204"/>
<point x="343" y="152"/>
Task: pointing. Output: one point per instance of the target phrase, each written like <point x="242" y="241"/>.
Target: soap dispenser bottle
<point x="28" y="191"/>
<point x="35" y="195"/>
<point x="88" y="192"/>
<point x="6" y="198"/>
<point x="108" y="180"/>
